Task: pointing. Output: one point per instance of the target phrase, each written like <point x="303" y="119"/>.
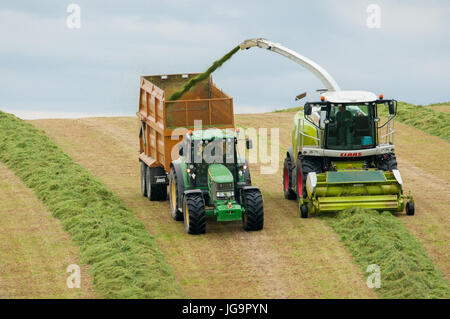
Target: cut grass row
<point x="424" y="118"/>
<point x="382" y="239"/>
<point x="125" y="260"/>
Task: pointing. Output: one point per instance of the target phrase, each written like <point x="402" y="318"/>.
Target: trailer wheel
<point x="173" y="196"/>
<point x="144" y="179"/>
<point x="194" y="214"/>
<point x="155" y="191"/>
<point x="288" y="192"/>
<point x="409" y="208"/>
<point x="304" y="211"/>
<point x="253" y="218"/>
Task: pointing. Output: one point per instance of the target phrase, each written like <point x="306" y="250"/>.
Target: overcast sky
<point x="47" y="67"/>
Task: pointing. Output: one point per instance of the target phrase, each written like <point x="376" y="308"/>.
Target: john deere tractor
<point x="210" y="179"/>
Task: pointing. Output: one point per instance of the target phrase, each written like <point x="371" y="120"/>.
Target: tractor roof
<point x="213" y="134"/>
<point x="349" y="96"/>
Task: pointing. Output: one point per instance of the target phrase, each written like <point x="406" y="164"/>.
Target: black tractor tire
<point x="303" y="167"/>
<point x="253" y="218"/>
<point x="304" y="211"/>
<point x="144" y="179"/>
<point x="409" y="209"/>
<point x="155" y="191"/>
<point x="289" y="193"/>
<point x="174" y="195"/>
<point x="194" y="214"/>
<point x="387" y="162"/>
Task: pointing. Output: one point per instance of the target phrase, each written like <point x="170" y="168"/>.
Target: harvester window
<point x="350" y="127"/>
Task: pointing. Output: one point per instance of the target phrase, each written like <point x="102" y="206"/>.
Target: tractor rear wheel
<point x="144" y="179"/>
<point x="409" y="208"/>
<point x="155" y="191"/>
<point x="253" y="218"/>
<point x="173" y="196"/>
<point x="194" y="214"/>
<point x="287" y="172"/>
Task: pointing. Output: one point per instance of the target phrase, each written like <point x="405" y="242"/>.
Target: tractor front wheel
<point x="194" y="214"/>
<point x="253" y="218"/>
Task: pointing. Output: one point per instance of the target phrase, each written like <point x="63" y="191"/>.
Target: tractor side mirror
<point x="307" y="109"/>
<point x="392" y="108"/>
<point x="180" y="149"/>
<point x="249" y="144"/>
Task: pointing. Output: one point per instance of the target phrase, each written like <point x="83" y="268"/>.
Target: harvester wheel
<point x="173" y="191"/>
<point x="194" y="214"/>
<point x="387" y="162"/>
<point x="287" y="172"/>
<point x="155" y="191"/>
<point x="144" y="179"/>
<point x="409" y="208"/>
<point x="253" y="218"/>
<point x="304" y="166"/>
<point x="304" y="211"/>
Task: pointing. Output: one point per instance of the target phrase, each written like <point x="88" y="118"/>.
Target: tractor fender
<point x="246" y="188"/>
<point x="193" y="191"/>
<point x="290" y="154"/>
<point x="180" y="185"/>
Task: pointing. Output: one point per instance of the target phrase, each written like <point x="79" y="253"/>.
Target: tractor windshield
<point x="350" y="126"/>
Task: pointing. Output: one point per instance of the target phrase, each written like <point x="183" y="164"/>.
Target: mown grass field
<point x="125" y="261"/>
<point x="292" y="257"/>
<point x="35" y="251"/>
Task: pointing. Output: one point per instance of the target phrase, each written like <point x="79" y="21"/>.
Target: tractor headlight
<point x="225" y="195"/>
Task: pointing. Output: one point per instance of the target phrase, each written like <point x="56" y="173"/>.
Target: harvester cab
<point x="211" y="179"/>
<point x="342" y="155"/>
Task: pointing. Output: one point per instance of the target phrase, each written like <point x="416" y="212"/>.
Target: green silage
<point x="203" y="76"/>
<point x="125" y="260"/>
<point x="424" y="118"/>
<point x="382" y="239"/>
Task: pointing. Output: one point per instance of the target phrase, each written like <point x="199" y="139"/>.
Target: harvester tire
<point x="303" y="167"/>
<point x="387" y="162"/>
<point x="304" y="211"/>
<point x="155" y="191"/>
<point x="194" y="214"/>
<point x="409" y="208"/>
<point x="253" y="218"/>
<point x="173" y="197"/>
<point x="287" y="178"/>
<point x="144" y="179"/>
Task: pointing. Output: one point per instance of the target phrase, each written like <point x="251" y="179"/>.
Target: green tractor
<point x="342" y="156"/>
<point x="210" y="179"/>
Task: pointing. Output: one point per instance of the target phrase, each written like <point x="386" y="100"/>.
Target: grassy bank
<point x="125" y="260"/>
<point x="424" y="118"/>
<point x="382" y="239"/>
